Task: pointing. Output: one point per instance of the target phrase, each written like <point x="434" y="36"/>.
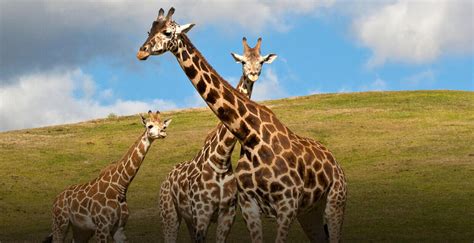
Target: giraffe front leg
<point x="285" y="217"/>
<point x="103" y="230"/>
<point x="119" y="235"/>
<point x="224" y="222"/>
<point x="60" y="228"/>
<point x="251" y="215"/>
<point x="202" y="213"/>
<point x="170" y="219"/>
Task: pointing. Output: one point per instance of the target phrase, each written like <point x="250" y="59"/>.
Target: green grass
<point x="408" y="157"/>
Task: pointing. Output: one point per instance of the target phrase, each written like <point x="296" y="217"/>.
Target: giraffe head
<point x="252" y="61"/>
<point x="155" y="128"/>
<point x="163" y="35"/>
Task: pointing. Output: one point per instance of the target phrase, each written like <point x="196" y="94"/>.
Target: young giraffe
<point x="204" y="188"/>
<point x="279" y="173"/>
<point x="99" y="207"/>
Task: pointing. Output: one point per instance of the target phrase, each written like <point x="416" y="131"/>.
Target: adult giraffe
<point x="279" y="173"/>
<point x="204" y="188"/>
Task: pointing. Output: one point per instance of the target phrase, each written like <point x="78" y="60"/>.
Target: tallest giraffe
<point x="279" y="173"/>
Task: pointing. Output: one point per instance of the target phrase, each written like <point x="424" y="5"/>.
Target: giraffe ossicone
<point x="99" y="208"/>
<point x="279" y="173"/>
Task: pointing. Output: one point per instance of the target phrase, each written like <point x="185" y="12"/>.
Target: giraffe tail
<point x="48" y="239"/>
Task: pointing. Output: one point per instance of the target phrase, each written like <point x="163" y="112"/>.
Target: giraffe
<point x="99" y="208"/>
<point x="204" y="188"/>
<point x="279" y="173"/>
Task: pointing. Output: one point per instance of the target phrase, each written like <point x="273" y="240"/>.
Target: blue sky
<point x="70" y="61"/>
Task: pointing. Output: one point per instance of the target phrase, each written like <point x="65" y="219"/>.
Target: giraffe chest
<point x="213" y="188"/>
<point x="196" y="184"/>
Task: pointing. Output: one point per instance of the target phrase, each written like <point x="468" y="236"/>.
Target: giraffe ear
<point x="269" y="58"/>
<point x="166" y="123"/>
<point x="184" y="28"/>
<point x="238" y="58"/>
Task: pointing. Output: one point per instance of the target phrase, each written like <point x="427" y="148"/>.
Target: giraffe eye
<point x="150" y="126"/>
<point x="167" y="34"/>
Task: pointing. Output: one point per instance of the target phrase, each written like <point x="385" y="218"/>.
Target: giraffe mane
<point x="108" y="168"/>
<point x="211" y="68"/>
<point x="211" y="133"/>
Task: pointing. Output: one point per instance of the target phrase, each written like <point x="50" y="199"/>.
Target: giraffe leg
<point x="313" y="224"/>
<point x="102" y="234"/>
<point x="202" y="218"/>
<point x="170" y="219"/>
<point x="119" y="235"/>
<point x="284" y="220"/>
<point x="60" y="213"/>
<point x="224" y="223"/>
<point x="60" y="228"/>
<point x="251" y="215"/>
<point x="190" y="227"/>
<point x="334" y="211"/>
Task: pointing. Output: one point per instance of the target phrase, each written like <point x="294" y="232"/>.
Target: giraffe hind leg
<point x="119" y="235"/>
<point x="334" y="211"/>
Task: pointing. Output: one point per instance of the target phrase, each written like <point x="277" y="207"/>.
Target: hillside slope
<point x="408" y="157"/>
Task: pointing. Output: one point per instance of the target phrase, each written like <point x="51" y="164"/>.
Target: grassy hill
<point x="408" y="157"/>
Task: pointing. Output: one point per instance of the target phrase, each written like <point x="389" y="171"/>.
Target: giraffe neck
<point x="218" y="94"/>
<point x="219" y="156"/>
<point x="245" y="86"/>
<point x="130" y="163"/>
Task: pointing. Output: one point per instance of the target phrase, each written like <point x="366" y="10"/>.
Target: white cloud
<point x="268" y="87"/>
<point x="69" y="33"/>
<point x="253" y="15"/>
<point x="51" y="98"/>
<point x="106" y="94"/>
<point x="416" y="31"/>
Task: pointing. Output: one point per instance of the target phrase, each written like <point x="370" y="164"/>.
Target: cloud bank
<point x="62" y="97"/>
<point x="416" y="31"/>
<point x="39" y="35"/>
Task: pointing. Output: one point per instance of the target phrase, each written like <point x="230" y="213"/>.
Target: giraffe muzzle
<point x="253" y="77"/>
<point x="142" y="55"/>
